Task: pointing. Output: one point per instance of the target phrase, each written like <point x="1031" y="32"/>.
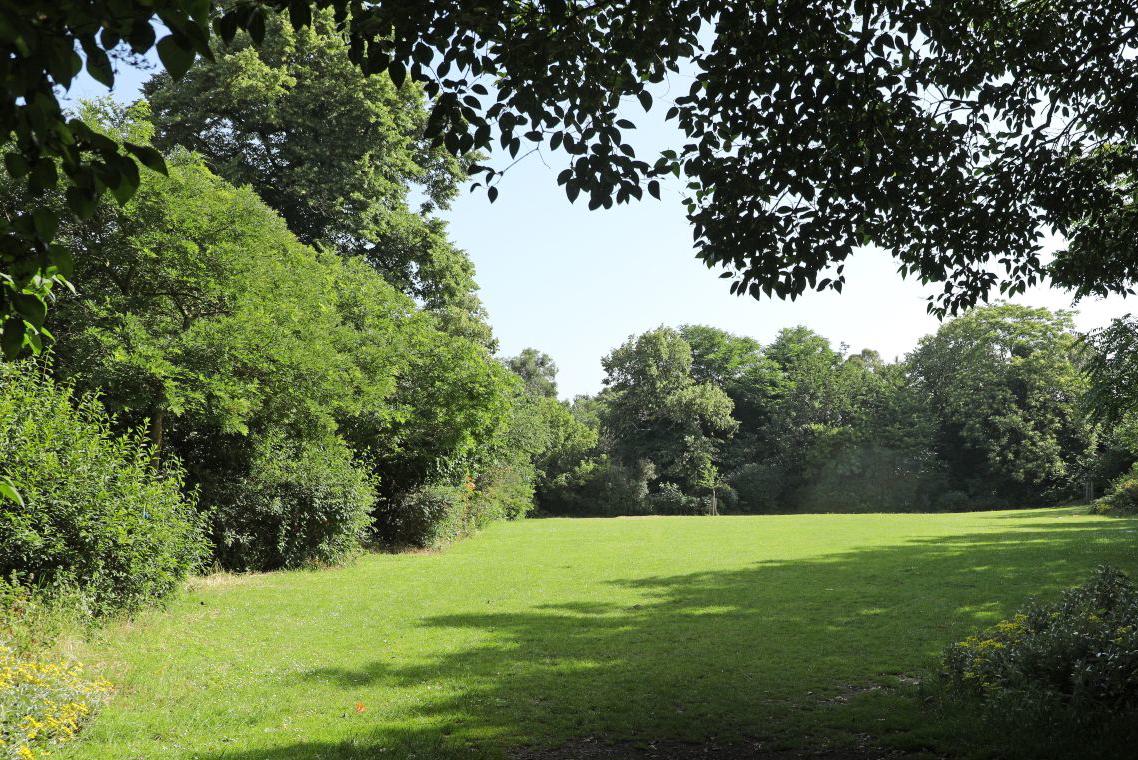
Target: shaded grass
<point x="535" y="633"/>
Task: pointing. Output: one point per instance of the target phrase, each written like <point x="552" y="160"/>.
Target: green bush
<point x="1078" y="656"/>
<point x="96" y="515"/>
<point x="438" y="513"/>
<point x="759" y="488"/>
<point x="854" y="476"/>
<point x="301" y="503"/>
<point x="669" y="499"/>
<point x="427" y="517"/>
<point x="1122" y="498"/>
<point x="599" y="486"/>
<point x="953" y="501"/>
<point x="504" y="491"/>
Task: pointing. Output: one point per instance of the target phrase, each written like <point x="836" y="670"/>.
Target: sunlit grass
<point x="542" y="631"/>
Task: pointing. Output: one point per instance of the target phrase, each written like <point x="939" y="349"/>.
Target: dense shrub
<point x="669" y="499"/>
<point x="855" y="476"/>
<point x="504" y="491"/>
<point x="426" y="517"/>
<point x="758" y="487"/>
<point x="439" y="513"/>
<point x="301" y="503"/>
<point x="953" y="501"/>
<point x="1078" y="656"/>
<point x="95" y="512"/>
<point x="599" y="486"/>
<point x="1122" y="498"/>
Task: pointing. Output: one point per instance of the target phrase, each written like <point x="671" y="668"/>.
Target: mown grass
<point x="538" y="632"/>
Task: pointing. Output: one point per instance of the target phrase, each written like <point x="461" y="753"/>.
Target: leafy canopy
<point x="1006" y="386"/>
<point x="339" y="154"/>
<point x="537" y="370"/>
<point x="953" y="134"/>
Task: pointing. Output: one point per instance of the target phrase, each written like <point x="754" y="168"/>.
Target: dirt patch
<point x="595" y="748"/>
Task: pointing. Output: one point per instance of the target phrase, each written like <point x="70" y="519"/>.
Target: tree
<point x="804" y="404"/>
<point x="203" y="319"/>
<point x="754" y="382"/>
<point x="295" y="385"/>
<point x="199" y="304"/>
<point x="1112" y="367"/>
<point x="450" y="405"/>
<point x="656" y="412"/>
<point x="953" y="134"/>
<point x="337" y="153"/>
<point x="1112" y="392"/>
<point x="537" y="370"/>
<point x="881" y="455"/>
<point x="1005" y="385"/>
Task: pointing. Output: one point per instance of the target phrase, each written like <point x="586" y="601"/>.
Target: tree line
<point x="275" y="356"/>
<point x="996" y="409"/>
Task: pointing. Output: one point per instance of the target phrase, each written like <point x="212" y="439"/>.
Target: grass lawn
<point x="542" y="631"/>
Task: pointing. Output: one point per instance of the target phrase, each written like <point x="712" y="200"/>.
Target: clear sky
<point x="576" y="283"/>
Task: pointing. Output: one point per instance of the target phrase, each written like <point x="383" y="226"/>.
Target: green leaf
<point x="256" y="26"/>
<point x="30" y="307"/>
<point x="16" y="164"/>
<point x="141" y="36"/>
<point x="645" y="99"/>
<point x="99" y="65"/>
<point x="44" y="176"/>
<point x="128" y="179"/>
<point x="60" y="258"/>
<point x="397" y="72"/>
<point x="12" y="337"/>
<point x="176" y="55"/>
<point x="46" y="223"/>
<point x="148" y="157"/>
<point x="109" y="38"/>
<point x="299" y="13"/>
<point x="80" y="202"/>
<point x="226" y="27"/>
<point x="8" y="491"/>
<point x="125" y="190"/>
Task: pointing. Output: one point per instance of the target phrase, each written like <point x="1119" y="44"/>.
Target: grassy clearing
<point x="541" y="631"/>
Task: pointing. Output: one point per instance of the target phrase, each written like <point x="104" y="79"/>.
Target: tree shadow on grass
<point x="773" y="653"/>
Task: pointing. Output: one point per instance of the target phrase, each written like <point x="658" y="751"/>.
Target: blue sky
<point x="576" y="283"/>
